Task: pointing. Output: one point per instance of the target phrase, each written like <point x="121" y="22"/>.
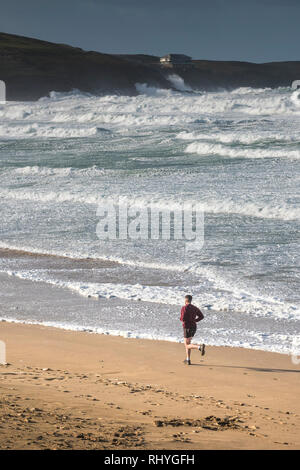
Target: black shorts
<point x="189" y="332"/>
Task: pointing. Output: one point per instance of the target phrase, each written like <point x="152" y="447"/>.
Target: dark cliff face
<point x="32" y="68"/>
<point x="212" y="75"/>
<point x="215" y="75"/>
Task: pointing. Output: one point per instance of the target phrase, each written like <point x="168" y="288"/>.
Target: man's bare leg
<point x="187" y="342"/>
<point x="193" y="346"/>
<point x="200" y="347"/>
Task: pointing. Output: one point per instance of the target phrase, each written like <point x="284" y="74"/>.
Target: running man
<point x="189" y="317"/>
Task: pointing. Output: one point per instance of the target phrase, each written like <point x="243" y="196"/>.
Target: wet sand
<point x="75" y="390"/>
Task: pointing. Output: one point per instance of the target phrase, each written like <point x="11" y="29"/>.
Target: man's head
<point x="188" y="299"/>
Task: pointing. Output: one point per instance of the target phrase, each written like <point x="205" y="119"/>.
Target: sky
<point x="247" y="30"/>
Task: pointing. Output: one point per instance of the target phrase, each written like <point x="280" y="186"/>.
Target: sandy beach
<point x="75" y="390"/>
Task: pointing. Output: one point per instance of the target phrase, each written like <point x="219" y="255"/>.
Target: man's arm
<point x="199" y="315"/>
<point x="182" y="314"/>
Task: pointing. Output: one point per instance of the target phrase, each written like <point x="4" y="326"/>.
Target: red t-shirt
<point x="190" y="315"/>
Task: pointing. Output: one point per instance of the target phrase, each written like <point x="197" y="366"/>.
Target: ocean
<point x="235" y="154"/>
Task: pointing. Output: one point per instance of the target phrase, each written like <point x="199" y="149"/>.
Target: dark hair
<point x="189" y="297"/>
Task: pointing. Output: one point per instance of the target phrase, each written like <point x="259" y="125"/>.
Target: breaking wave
<point x="206" y="149"/>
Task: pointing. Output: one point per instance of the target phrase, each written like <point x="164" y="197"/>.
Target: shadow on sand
<point x="256" y="369"/>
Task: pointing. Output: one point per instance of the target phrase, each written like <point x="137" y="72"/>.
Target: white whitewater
<point x="234" y="154"/>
